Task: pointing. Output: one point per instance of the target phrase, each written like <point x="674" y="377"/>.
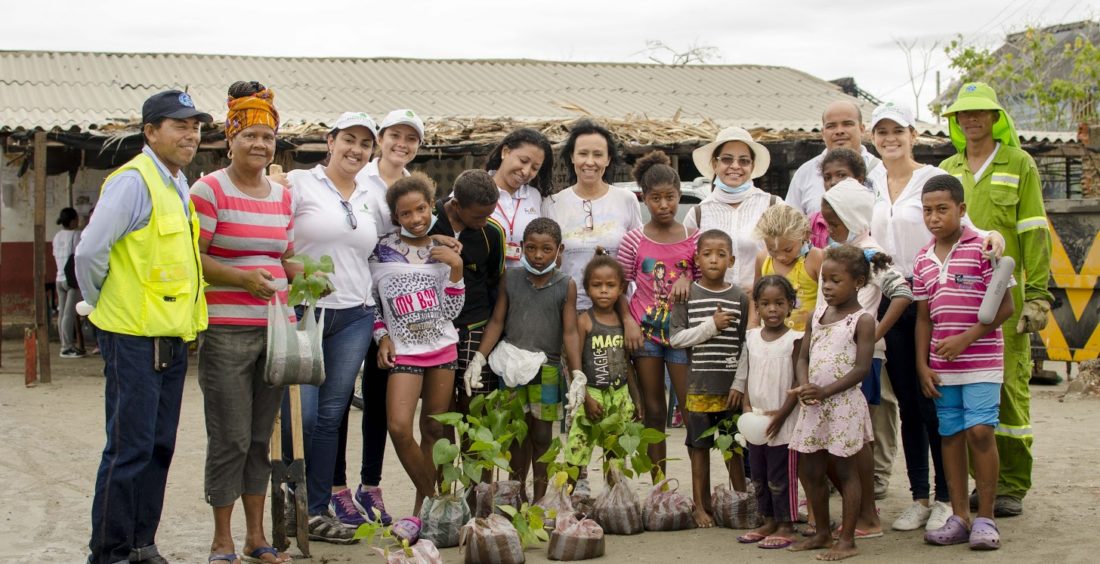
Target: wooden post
<point x="41" y="316"/>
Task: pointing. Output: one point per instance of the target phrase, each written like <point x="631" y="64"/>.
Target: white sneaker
<point x="913" y="518"/>
<point x="939" y="515"/>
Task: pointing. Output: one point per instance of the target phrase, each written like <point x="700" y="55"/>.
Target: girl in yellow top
<point x="787" y="252"/>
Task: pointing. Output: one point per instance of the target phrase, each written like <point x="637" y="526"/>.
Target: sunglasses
<point x="589" y="221"/>
<point x="350" y="215"/>
<point x="730" y="160"/>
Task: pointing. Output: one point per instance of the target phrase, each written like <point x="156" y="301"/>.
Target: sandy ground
<point x="54" y="435"/>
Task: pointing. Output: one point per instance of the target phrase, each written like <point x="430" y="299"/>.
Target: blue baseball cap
<point x="173" y="104"/>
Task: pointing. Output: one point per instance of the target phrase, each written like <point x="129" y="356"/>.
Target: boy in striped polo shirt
<point x="959" y="359"/>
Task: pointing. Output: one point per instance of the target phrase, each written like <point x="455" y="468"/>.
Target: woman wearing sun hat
<point x="733" y="160"/>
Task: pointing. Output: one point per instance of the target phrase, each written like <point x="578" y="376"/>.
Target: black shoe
<point x="1008" y="506"/>
<point x="974" y="500"/>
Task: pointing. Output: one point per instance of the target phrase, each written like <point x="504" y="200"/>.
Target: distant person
<point x="841" y="126"/>
<point x="138" y="265"/>
<point x="1003" y="193"/>
<point x="64" y="247"/>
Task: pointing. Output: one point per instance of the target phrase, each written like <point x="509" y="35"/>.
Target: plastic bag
<point x="489" y="497"/>
<point x="667" y="509"/>
<point x="575" y="539"/>
<point x="491" y="540"/>
<point x="423" y="552"/>
<point x="556" y="501"/>
<point x="617" y="509"/>
<point x="294" y="349"/>
<point x="514" y="365"/>
<point x="583" y="504"/>
<point x="442" y="518"/>
<point x="734" y="509"/>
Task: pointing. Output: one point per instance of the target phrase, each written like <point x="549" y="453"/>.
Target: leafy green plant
<point x="529" y="521"/>
<point x="618" y="435"/>
<point x="725" y="438"/>
<point x="494" y="423"/>
<point x="381" y="538"/>
<point x="313" y="282"/>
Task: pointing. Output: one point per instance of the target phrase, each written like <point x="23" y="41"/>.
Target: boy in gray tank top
<point x="536" y="311"/>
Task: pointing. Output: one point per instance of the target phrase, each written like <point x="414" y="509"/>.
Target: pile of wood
<point x="1087" y="383"/>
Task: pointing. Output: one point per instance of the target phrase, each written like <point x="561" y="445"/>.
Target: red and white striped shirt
<point x="954" y="290"/>
<point x="245" y="233"/>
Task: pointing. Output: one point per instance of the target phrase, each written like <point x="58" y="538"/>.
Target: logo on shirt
<point x="967" y="280"/>
<point x="416" y="301"/>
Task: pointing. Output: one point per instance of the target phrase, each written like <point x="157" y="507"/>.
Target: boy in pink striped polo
<point x="960" y="359"/>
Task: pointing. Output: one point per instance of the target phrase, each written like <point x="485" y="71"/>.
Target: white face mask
<point x="407" y="233"/>
<point x="535" y="271"/>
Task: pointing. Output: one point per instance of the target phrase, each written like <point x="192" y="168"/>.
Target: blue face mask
<point x="406" y="233"/>
<point x="805" y="250"/>
<point x="732" y="189"/>
<point x="535" y="271"/>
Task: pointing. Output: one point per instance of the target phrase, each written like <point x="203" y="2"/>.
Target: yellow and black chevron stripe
<point x="1072" y="333"/>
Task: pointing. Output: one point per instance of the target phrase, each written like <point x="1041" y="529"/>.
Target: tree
<point x="925" y="55"/>
<point x="1061" y="83"/>
<point x="660" y="52"/>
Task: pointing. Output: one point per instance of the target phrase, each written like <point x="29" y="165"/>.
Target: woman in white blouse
<point x="733" y="160"/>
<point x="522" y="166"/>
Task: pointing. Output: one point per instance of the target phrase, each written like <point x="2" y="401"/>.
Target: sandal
<point x="775" y="542"/>
<point x="258" y="554"/>
<point x="223" y="557"/>
<point x="954" y="531"/>
<point x="984" y="535"/>
<point x="750" y="538"/>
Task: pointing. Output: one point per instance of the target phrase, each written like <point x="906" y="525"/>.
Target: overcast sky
<point x="828" y="39"/>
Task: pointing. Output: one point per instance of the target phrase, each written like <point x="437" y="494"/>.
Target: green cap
<point x="974" y="96"/>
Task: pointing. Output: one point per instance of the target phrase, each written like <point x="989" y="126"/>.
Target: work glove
<point x="1034" y="316"/>
<point x="472" y="376"/>
<point x="577" y="389"/>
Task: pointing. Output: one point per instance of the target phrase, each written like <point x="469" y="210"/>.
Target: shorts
<point x="671" y="355"/>
<point x="578" y="451"/>
<point x="872" y="384"/>
<point x="542" y="396"/>
<point x="469" y="339"/>
<point x="419" y="370"/>
<point x="697" y="423"/>
<point x="964" y="406"/>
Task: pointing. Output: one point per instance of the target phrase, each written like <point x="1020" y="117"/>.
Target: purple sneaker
<point x="343" y="505"/>
<point x="368" y="500"/>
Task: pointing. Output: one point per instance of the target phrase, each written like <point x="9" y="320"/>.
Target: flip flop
<point x="860" y="534"/>
<point x="784" y="542"/>
<point x="751" y="538"/>
<point x="223" y="557"/>
<point x="257" y="555"/>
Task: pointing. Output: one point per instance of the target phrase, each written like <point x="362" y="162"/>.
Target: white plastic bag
<point x="514" y="365"/>
<point x="294" y="349"/>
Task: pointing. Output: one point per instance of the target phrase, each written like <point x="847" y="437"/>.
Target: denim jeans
<point x="346" y="338"/>
<point x="142" y="412"/>
<point x="920" y="428"/>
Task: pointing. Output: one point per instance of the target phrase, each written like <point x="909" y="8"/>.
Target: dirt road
<point x="53" y="435"/>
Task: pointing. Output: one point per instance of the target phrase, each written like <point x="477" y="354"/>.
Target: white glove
<point x="472" y="376"/>
<point x="577" y="389"/>
<point x="84" y="308"/>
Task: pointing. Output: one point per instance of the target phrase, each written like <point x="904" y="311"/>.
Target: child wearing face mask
<point x="787" y="252"/>
<point x="529" y="339"/>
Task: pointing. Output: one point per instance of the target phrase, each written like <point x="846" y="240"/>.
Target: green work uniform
<point x="1008" y="198"/>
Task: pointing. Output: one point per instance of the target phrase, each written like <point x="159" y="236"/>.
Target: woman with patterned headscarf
<point x="246" y="236"/>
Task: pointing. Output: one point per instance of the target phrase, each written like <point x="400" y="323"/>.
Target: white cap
<point x="352" y="119"/>
<point x="896" y="113"/>
<point x="404" y="117"/>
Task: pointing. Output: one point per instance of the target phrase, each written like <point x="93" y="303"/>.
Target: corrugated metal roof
<point x="91" y="90"/>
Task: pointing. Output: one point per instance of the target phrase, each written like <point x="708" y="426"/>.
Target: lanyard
<point x="511" y="222"/>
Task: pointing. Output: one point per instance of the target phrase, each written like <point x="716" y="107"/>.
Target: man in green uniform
<point x="1003" y="193"/>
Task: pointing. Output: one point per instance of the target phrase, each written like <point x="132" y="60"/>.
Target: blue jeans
<point x="346" y="338"/>
<point x="142" y="412"/>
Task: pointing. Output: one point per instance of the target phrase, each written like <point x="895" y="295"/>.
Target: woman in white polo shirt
<point x="522" y="166"/>
<point x="333" y="216"/>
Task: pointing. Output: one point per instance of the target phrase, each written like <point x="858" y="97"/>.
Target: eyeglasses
<point x="589" y="221"/>
<point x="350" y="217"/>
<point x="730" y="160"/>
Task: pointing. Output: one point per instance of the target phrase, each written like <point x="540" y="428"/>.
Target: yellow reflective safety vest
<point x="154" y="282"/>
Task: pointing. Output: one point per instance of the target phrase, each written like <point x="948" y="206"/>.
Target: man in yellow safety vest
<point x="138" y="265"/>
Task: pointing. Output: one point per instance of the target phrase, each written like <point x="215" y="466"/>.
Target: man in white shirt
<point x="841" y="126"/>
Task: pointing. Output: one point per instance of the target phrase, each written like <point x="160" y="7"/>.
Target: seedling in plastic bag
<point x="313" y="282"/>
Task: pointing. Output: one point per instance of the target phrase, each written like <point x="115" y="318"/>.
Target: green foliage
<point x="620" y="438"/>
<point x="380" y="537"/>
<point x="494" y="423"/>
<point x="723" y="434"/>
<point x="529" y="521"/>
<point x="310" y="285"/>
<point x="1035" y="68"/>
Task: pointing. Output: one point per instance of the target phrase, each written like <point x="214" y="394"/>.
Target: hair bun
<point x="600" y="251"/>
<point x="648" y="161"/>
<point x="244" y="88"/>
